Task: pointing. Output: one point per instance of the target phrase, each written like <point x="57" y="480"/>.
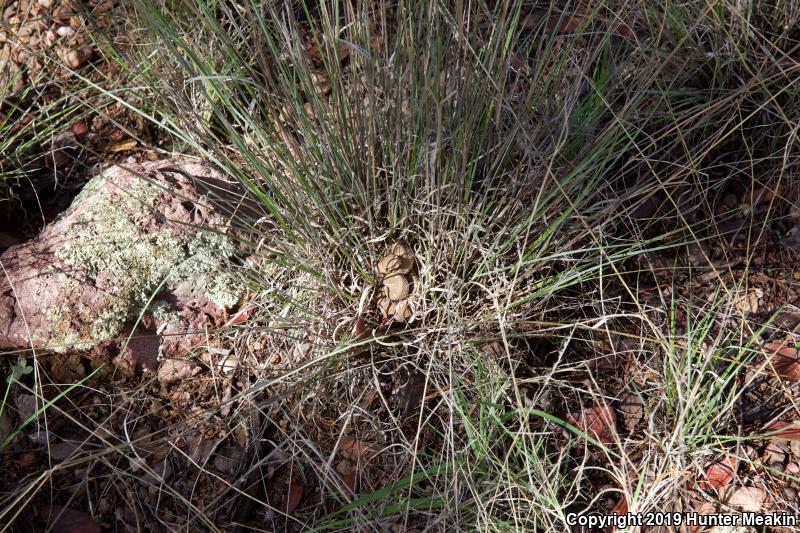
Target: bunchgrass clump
<point x="514" y="149"/>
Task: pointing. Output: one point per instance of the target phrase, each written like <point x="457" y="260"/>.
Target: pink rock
<point x="127" y="251"/>
<point x="599" y="422"/>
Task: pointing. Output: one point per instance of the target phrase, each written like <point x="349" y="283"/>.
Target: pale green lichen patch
<point x="203" y="273"/>
<point x="108" y="246"/>
<point x="160" y="311"/>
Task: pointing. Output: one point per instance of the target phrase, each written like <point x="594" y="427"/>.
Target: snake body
<point x="396" y="275"/>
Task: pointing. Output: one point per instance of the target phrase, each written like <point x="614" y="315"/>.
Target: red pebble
<point x="80" y="128"/>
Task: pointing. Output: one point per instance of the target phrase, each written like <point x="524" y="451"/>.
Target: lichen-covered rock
<point x="129" y="251"/>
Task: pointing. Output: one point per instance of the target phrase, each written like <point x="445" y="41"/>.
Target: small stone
<point x="79" y="129"/>
<point x="775" y="453"/>
<point x="72" y="59"/>
<point x="302" y="350"/>
<point x="103" y="7"/>
<point x="794" y="446"/>
<point x="174" y="370"/>
<point x="26" y="406"/>
<point x="77" y="58"/>
<point x="64" y="450"/>
<point x="65" y="31"/>
<point x="748" y="499"/>
<point x="228" y="459"/>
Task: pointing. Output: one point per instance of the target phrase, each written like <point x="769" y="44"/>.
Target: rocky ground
<point x="154" y="419"/>
<point x="59" y="128"/>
